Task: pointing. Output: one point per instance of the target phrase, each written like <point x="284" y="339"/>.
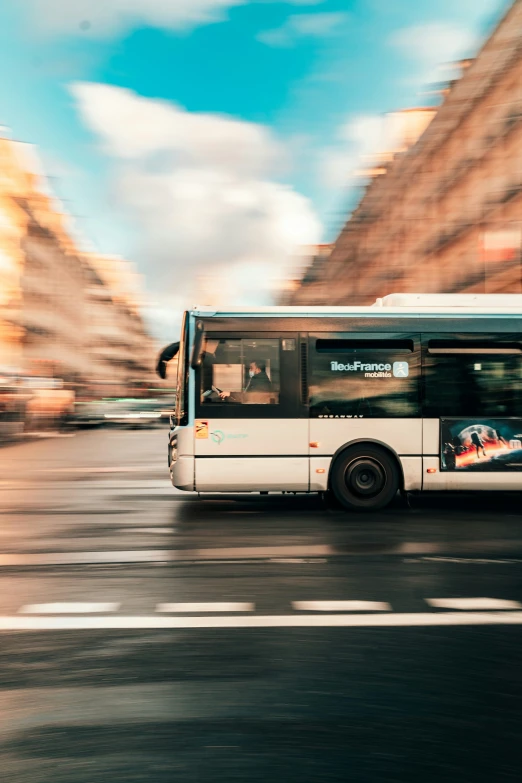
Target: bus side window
<point x="482" y="378"/>
<point x="364" y="378"/>
<point x="241" y="371"/>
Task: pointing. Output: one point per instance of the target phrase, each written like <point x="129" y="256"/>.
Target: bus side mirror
<point x="165" y="356"/>
<point x="197" y="350"/>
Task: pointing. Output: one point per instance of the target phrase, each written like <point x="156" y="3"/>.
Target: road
<point x="152" y="635"/>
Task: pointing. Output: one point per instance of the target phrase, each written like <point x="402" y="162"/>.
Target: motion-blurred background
<point x="241" y="153"/>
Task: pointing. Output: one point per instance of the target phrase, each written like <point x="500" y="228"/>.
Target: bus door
<point x="250" y="429"/>
<point x="473" y="409"/>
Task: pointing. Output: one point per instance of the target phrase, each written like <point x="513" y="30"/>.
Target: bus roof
<point x="393" y="304"/>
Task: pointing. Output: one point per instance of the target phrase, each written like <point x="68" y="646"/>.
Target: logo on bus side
<point x="218" y="436"/>
<point x="401" y="369"/>
<point x="374" y="370"/>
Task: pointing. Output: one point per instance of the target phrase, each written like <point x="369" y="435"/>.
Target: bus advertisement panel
<point x="481" y="444"/>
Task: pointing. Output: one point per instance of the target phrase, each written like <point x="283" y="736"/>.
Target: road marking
<point x="466" y="560"/>
<point x="152" y="530"/>
<point x="72" y="607"/>
<point x="224" y="606"/>
<point x="341" y="606"/>
<point x="162" y="622"/>
<point x="281" y="553"/>
<point x="472" y="603"/>
<point x="104" y="469"/>
<point x="156" y="555"/>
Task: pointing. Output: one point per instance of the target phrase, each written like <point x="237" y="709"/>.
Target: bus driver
<point x="258" y="379"/>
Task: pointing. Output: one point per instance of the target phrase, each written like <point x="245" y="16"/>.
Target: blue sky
<point x="204" y="139"/>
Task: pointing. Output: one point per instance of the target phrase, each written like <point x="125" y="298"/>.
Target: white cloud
<point x="110" y="18"/>
<point x="107" y="18"/>
<point x="134" y="127"/>
<point x="359" y="140"/>
<point x="431" y="44"/>
<point x="297" y="26"/>
<point x="200" y="189"/>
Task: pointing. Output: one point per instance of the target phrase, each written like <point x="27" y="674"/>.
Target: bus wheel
<point x="365" y="478"/>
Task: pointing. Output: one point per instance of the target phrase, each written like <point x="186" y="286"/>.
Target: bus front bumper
<point x="182" y="473"/>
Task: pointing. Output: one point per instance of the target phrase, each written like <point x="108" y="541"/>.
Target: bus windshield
<point x="180" y="411"/>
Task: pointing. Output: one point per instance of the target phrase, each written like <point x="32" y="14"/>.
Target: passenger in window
<point x="258" y="379"/>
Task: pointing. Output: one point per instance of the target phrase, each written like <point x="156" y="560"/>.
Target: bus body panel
<point x="181" y="457"/>
<point x="412" y="473"/>
<point x="449" y="481"/>
<point x="249" y="454"/>
<point x="319" y="473"/>
<point x="182" y="473"/>
<point x="431" y="437"/>
<point x="403" y="436"/>
<point x="251" y="437"/>
<point x="252" y="474"/>
<point x="184" y="440"/>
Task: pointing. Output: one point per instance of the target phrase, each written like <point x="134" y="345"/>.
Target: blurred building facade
<point x="121" y="350"/>
<point x="443" y="214"/>
<point x="63" y="313"/>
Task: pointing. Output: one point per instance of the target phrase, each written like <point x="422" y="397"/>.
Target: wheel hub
<point x="365" y="477"/>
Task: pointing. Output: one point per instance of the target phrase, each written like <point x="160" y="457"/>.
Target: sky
<point x="207" y="141"/>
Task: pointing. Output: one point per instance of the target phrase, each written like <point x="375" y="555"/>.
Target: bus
<point x="415" y="393"/>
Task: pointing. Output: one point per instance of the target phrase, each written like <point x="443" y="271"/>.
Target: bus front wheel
<point x="365" y="478"/>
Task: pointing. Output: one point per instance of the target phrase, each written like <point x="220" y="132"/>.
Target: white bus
<point x="415" y="393"/>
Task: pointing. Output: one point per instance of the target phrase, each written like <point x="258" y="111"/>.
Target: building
<point x="62" y="313"/>
<point x="122" y="352"/>
<point x="444" y="214"/>
<point x="313" y="281"/>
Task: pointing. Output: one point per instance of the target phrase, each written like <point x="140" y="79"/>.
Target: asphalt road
<point x="151" y="635"/>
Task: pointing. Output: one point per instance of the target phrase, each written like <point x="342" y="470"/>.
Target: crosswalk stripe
<point x="69" y="607"/>
<point x="472" y="603"/>
<point x="223" y="606"/>
<point x="341" y="606"/>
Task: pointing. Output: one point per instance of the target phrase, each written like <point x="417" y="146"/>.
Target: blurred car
<point x="135" y="413"/>
<point x="13" y="406"/>
<point x="90" y="414"/>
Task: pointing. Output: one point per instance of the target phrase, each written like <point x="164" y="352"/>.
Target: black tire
<point x="365" y="478"/>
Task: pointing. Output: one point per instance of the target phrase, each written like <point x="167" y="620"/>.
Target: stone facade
<point x="63" y="313"/>
<point x="446" y="214"/>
